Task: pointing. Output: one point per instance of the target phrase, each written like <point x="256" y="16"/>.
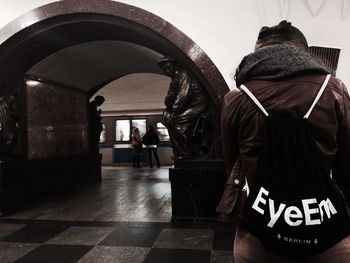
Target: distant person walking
<point x="151" y="140"/>
<point x="136" y="145"/>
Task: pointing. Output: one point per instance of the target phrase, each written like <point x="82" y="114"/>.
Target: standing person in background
<point x="96" y="126"/>
<point x="151" y="140"/>
<point x="285" y="80"/>
<point x="136" y="145"/>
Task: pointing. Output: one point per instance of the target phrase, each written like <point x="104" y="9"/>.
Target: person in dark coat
<point x="151" y="140"/>
<point x="285" y="78"/>
<point x="136" y="145"/>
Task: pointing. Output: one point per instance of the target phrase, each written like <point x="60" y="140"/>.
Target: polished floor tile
<point x="34" y="233"/>
<point x="162" y="255"/>
<point x="191" y="225"/>
<point x="10" y="251"/>
<point x="103" y="254"/>
<point x="125" y="219"/>
<point x="185" y="239"/>
<point x="55" y="254"/>
<point x="127" y="242"/>
<point x="219" y="256"/>
<point x="81" y="236"/>
<point x="6" y="229"/>
<point x="132" y="237"/>
<point x="125" y="194"/>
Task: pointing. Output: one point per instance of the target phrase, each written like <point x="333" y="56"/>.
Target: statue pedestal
<point x="196" y="188"/>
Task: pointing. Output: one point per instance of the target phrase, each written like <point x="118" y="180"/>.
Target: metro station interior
<point x="63" y="201"/>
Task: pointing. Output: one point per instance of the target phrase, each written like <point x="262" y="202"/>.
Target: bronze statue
<point x="8" y="124"/>
<point x="96" y="126"/>
<point x="186" y="114"/>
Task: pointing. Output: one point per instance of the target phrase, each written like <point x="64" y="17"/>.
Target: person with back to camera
<point x="151" y="140"/>
<point x="286" y="145"/>
<point x="136" y="145"/>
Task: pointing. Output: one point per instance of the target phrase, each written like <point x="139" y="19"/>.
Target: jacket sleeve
<point x="157" y="138"/>
<point x="341" y="164"/>
<point x="228" y="137"/>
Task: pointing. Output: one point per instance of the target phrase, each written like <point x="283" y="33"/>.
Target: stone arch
<point x="33" y="36"/>
<point x="48" y="29"/>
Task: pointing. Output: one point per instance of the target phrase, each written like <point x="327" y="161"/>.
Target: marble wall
<point x="56" y="119"/>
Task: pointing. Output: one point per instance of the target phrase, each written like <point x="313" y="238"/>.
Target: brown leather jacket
<point x="242" y="124"/>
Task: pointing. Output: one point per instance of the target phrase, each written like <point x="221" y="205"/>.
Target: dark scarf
<point x="277" y="62"/>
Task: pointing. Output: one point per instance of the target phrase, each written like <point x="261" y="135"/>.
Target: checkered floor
<point x="69" y="241"/>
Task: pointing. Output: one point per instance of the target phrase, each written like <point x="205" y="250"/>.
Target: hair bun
<point x="281" y="33"/>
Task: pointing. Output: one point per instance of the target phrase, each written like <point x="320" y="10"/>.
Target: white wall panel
<point x="226" y="29"/>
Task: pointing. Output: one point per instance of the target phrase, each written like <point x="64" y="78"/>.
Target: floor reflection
<point x="125" y="194"/>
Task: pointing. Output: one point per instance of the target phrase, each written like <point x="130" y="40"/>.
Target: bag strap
<point x="318" y="96"/>
<point x="306" y="116"/>
<point x="254" y="99"/>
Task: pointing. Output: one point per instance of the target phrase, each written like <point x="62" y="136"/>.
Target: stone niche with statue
<point x="198" y="175"/>
<point x="43" y="143"/>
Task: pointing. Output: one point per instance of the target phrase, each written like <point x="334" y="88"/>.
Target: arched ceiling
<point x="91" y="65"/>
<point x="86" y="35"/>
<point x="135" y="93"/>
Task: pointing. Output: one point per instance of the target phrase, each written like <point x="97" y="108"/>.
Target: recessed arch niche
<point x="47" y="30"/>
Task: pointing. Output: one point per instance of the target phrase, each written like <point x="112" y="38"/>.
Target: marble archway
<point x="48" y="29"/>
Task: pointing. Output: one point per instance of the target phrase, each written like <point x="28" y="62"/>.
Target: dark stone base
<point x="196" y="188"/>
<point x="25" y="181"/>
